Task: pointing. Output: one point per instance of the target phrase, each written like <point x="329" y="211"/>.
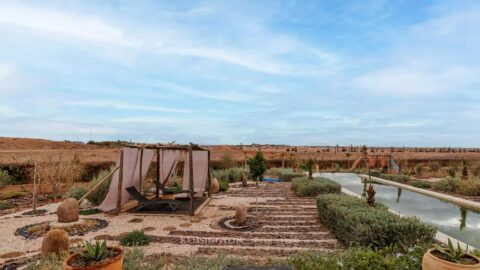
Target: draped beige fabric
<point x="200" y="172"/>
<point x="131" y="177"/>
<point x="168" y="162"/>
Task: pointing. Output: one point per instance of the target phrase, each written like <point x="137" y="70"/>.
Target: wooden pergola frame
<point x="188" y="147"/>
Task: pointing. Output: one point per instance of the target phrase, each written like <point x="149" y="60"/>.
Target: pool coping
<point x="472" y="205"/>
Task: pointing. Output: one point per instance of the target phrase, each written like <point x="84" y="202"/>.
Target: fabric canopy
<point x="131" y="177"/>
<point x="200" y="172"/>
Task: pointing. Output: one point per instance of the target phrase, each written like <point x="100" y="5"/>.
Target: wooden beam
<point x="120" y="184"/>
<point x="209" y="179"/>
<point x="140" y="170"/>
<point x="157" y="182"/>
<point x="98" y="184"/>
<point x="190" y="178"/>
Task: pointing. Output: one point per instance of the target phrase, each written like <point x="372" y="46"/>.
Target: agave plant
<point x="95" y="252"/>
<point x="451" y="253"/>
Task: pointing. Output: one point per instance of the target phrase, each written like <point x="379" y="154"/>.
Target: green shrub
<point x="476" y="171"/>
<point x="6" y="205"/>
<point x="361" y="259"/>
<point x="400" y="178"/>
<point x="135" y="238"/>
<point x="452" y="171"/>
<point x="305" y="187"/>
<point x="357" y="224"/>
<point x="469" y="187"/>
<point x="98" y="195"/>
<point x="136" y="220"/>
<point x="258" y="166"/>
<point x="286" y="174"/>
<point x="421" y="184"/>
<point x="6" y="179"/>
<point x="52" y="262"/>
<point x="223" y="185"/>
<point x="446" y="185"/>
<point x="87" y="212"/>
<point x="230" y="175"/>
<point x="375" y="173"/>
<point x="76" y="192"/>
<point x="435" y="166"/>
<point x="135" y="259"/>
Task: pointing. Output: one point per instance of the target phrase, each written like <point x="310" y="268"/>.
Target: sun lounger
<point x="145" y="202"/>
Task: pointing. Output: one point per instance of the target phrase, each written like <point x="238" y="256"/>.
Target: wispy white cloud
<point x="224" y="95"/>
<point x="77" y="26"/>
<point x="124" y="106"/>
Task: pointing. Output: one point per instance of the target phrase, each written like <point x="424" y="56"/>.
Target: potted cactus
<point x="96" y="256"/>
<point x="449" y="258"/>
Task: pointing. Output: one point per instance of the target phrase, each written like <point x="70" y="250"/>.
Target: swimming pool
<point x="449" y="218"/>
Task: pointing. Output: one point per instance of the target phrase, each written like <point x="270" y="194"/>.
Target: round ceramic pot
<point x="112" y="264"/>
<point x="432" y="262"/>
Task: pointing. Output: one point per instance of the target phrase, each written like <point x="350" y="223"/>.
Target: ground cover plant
<point x="91" y="211"/>
<point x="361" y="259"/>
<point x="421" y="184"/>
<point x="305" y="187"/>
<point x="355" y="223"/>
<point x="135" y="238"/>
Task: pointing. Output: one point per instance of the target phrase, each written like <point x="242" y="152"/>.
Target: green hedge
<point x="401" y="178"/>
<point x="305" y="187"/>
<point x="286" y="174"/>
<point x="357" y="224"/>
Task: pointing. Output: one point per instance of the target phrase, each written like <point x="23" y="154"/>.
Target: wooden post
<point x="157" y="182"/>
<point x="120" y="184"/>
<point x="209" y="179"/>
<point x="190" y="174"/>
<point x="35" y="187"/>
<point x="140" y="170"/>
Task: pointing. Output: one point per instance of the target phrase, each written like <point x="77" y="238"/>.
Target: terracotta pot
<point x="431" y="262"/>
<point x="168" y="196"/>
<point x="112" y="264"/>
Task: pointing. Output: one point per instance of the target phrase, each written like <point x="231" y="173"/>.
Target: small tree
<point x="258" y="166"/>
<point x="308" y="165"/>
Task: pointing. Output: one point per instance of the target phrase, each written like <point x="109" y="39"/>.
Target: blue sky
<point x="225" y="72"/>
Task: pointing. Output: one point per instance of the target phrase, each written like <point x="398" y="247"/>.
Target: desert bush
<point x="419" y="169"/>
<point x="230" y="175"/>
<point x="6" y="205"/>
<point x="76" y="192"/>
<point x="476" y="171"/>
<point x="469" y="187"/>
<point x="226" y="161"/>
<point x="135" y="238"/>
<point x="400" y="178"/>
<point x="446" y="185"/>
<point x="435" y="166"/>
<point x="305" y="187"/>
<point x="12" y="194"/>
<point x="421" y="184"/>
<point x="389" y="258"/>
<point x="355" y="223"/>
<point x="452" y="171"/>
<point x="98" y="195"/>
<point x="223" y="184"/>
<point x="6" y="179"/>
<point x="135" y="259"/>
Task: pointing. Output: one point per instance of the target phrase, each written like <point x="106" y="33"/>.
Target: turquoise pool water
<point x="449" y="218"/>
